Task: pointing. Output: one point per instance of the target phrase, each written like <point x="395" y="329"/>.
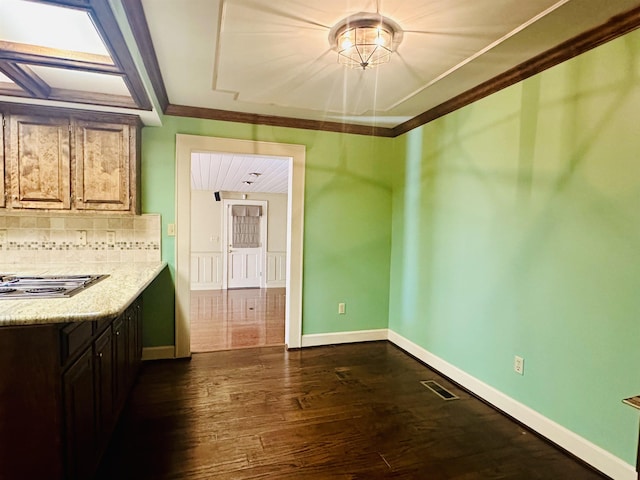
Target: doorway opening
<point x="238" y="251"/>
<point x="292" y="302"/>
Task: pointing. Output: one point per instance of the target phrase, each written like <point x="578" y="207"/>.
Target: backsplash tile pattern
<point x="51" y="237"/>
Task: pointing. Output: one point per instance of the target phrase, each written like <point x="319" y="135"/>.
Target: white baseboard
<point x="158" y="353"/>
<point x="206" y="286"/>
<point x="318" y="339"/>
<point x="599" y="458"/>
<point x="276" y="284"/>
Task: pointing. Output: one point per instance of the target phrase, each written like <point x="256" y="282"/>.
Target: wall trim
<point x="205" y="286"/>
<point x="583" y="449"/>
<point x="318" y="339"/>
<point x="158" y="353"/>
<point x="295" y="156"/>
<point x="590" y="453"/>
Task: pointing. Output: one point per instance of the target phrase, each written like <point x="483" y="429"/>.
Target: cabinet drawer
<point x="73" y="337"/>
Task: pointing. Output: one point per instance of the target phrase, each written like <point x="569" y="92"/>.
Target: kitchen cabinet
<point x="2" y="167"/>
<point x="39" y="162"/>
<point x="62" y="390"/>
<point x="103" y="372"/>
<point x="103" y="165"/>
<point x="56" y="160"/>
<point x="120" y="359"/>
<point x="79" y="414"/>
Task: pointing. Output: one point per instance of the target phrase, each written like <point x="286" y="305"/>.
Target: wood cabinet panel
<point x="79" y="408"/>
<point x="103" y="377"/>
<point x="40" y="162"/>
<point x="103" y="167"/>
<point x="69" y="160"/>
<point x="61" y="394"/>
<point x="2" y="163"/>
<point x="119" y="361"/>
<point x="30" y="417"/>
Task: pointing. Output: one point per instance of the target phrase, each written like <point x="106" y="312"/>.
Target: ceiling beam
<point x="26" y="79"/>
<point x="138" y="23"/>
<point x="56" y="58"/>
<point x="107" y="25"/>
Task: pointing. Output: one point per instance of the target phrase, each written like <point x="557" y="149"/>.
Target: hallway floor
<point x="237" y="318"/>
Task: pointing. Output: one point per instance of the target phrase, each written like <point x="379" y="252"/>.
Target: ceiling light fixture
<point x="365" y="40"/>
<point x="247" y="182"/>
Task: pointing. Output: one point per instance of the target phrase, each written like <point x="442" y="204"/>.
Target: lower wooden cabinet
<point x="79" y="416"/>
<point x="65" y="391"/>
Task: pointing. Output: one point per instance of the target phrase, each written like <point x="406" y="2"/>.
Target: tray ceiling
<point x="259" y="61"/>
<point x="274" y="58"/>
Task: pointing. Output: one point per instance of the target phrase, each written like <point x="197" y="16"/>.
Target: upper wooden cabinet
<point x="103" y="166"/>
<point x="39" y="162"/>
<point x="2" y="176"/>
<point x="75" y="162"/>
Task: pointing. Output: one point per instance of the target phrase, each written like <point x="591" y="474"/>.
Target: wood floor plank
<point x="339" y="412"/>
<point x="237" y="318"/>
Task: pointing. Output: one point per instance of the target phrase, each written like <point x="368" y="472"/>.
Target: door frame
<point x="264" y="221"/>
<point x="187" y="144"/>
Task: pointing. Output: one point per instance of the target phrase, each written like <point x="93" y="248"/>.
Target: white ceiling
<point x="274" y="58"/>
<point x="224" y="172"/>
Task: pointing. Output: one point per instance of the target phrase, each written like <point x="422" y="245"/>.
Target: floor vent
<point x="439" y="390"/>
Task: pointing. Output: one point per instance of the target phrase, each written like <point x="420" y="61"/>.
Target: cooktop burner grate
<point x="46" y="286"/>
<point x="45" y="290"/>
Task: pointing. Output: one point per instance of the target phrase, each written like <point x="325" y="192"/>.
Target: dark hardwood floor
<point x="353" y="411"/>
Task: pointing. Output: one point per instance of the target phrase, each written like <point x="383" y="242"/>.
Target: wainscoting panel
<point x="206" y="270"/>
<point x="276" y="269"/>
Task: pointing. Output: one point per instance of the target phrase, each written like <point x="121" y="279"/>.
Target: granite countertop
<point x="105" y="299"/>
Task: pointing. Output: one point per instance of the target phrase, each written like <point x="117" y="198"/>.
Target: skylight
<point x="67" y="51"/>
<point x="49" y="26"/>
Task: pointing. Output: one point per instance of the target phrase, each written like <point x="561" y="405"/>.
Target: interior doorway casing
<point x="185" y="146"/>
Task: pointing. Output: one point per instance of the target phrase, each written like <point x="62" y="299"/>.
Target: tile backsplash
<point x="50" y="237"/>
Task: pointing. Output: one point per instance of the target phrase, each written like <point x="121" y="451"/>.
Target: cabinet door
<point x="103" y="169"/>
<point x="79" y="405"/>
<point x="138" y="334"/>
<point x="120" y="361"/>
<point x="103" y="376"/>
<point x="40" y="162"/>
<point x="2" y="163"/>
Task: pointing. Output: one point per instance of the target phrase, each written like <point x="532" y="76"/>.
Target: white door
<point x="244" y="263"/>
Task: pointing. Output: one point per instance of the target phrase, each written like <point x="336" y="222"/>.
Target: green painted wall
<point x="516" y="231"/>
<point x="510" y="227"/>
<point x="347" y="222"/>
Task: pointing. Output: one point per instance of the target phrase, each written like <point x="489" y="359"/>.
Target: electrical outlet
<point x="518" y="365"/>
<point x="81" y="237"/>
<point x="171" y="229"/>
<point x="341" y="308"/>
<point x="3" y="237"/>
<point x="111" y="238"/>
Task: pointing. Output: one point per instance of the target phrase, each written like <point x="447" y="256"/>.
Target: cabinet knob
<point x="99" y="354"/>
<point x="117" y="333"/>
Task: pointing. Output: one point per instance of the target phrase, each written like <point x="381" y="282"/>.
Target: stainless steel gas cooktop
<point x="45" y="286"/>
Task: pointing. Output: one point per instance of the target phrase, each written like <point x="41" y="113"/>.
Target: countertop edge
<point x="104" y="300"/>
